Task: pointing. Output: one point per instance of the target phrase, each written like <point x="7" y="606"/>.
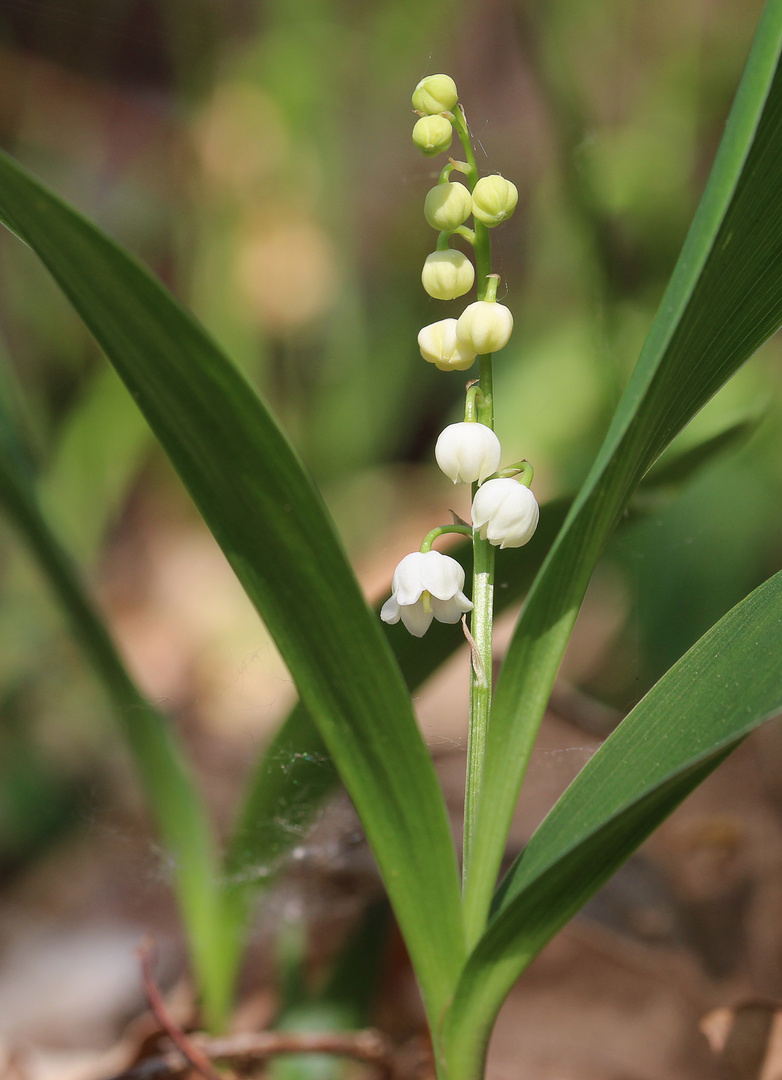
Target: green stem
<point x="521" y="471"/>
<point x="445" y="175"/>
<point x="441" y="530"/>
<point x="471" y="402"/>
<point x="465" y="232"/>
<point x="483" y="552"/>
<point x="480" y="685"/>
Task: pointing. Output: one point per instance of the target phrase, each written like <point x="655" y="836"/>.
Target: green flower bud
<point x="484" y="327"/>
<point x="494" y="200"/>
<point x="432" y="134"/>
<point x="435" y="94"/>
<point x="447" y="206"/>
<point x="447" y="274"/>
<point x="439" y="346"/>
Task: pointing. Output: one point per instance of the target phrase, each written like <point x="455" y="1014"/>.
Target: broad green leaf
<point x="725" y="686"/>
<point x="171" y="793"/>
<point x="271" y="523"/>
<point x="724" y="300"/>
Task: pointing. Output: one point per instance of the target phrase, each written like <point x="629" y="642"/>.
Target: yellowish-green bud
<point x="435" y="94"/>
<point x="432" y="134"/>
<point x="447" y="206"/>
<point x="439" y="346"/>
<point x="494" y="200"/>
<point x="447" y="274"/>
<point x="484" y="327"/>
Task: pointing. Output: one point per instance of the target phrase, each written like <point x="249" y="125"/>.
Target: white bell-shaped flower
<point x="426" y="585"/>
<point x="506" y="512"/>
<point x="438" y="345"/>
<point x="447" y="274"/>
<point x="484" y="327"/>
<point x="467" y="452"/>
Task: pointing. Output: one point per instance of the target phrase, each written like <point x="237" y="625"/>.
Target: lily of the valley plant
<point x="468" y="939"/>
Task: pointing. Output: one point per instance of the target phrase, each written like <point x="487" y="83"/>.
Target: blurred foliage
<point x="257" y="156"/>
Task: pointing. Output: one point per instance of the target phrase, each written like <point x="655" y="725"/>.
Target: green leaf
<point x="271" y="523"/>
<point x="169" y="788"/>
<point x="724" y="300"/>
<point x="96" y="458"/>
<point x="725" y="686"/>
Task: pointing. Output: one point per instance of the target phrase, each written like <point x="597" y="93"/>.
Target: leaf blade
<point x="276" y="533"/>
<point x="725" y="686"/>
<point x="723" y="301"/>
<point x="166" y="780"/>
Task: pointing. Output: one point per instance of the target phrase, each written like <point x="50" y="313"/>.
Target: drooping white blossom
<point x="506" y="512"/>
<point x="426" y="585"/>
<point x="467" y="452"/>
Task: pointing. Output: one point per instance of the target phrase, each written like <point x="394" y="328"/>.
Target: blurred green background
<point x="257" y="156"/>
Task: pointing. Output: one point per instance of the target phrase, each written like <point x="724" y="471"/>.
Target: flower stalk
<point x="481" y="619"/>
<point x="467" y="452"/>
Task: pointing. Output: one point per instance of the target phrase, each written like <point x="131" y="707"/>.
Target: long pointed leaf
<point x="271" y="523"/>
<point x="169" y="788"/>
<point x="725" y="686"/>
<point x="723" y="301"/>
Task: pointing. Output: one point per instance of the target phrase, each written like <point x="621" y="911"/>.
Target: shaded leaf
<point x="272" y="525"/>
<point x="173" y="798"/>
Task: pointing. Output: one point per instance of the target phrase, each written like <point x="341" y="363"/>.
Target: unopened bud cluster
<point x="427" y="584"/>
<point x="485" y="326"/>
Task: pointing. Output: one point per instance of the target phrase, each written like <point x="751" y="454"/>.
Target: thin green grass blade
<point x="175" y="805"/>
<point x="98" y="453"/>
<point x="724" y="300"/>
<point x="728" y="683"/>
<point x="271" y="523"/>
